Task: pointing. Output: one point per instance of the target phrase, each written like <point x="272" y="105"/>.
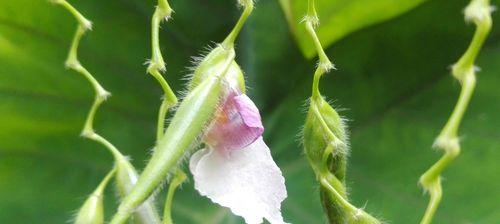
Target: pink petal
<point x="249" y="113"/>
<point x="236" y="125"/>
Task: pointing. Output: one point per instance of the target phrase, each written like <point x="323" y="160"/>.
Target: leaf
<point x="391" y="77"/>
<point x="340" y="18"/>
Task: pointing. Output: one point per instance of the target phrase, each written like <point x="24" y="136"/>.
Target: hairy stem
<point x="335" y="188"/>
<point x="479" y="12"/>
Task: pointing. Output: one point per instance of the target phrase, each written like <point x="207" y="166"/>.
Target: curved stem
<point x="228" y="43"/>
<point x="324" y="64"/>
<point x="337" y="196"/>
<point x="335" y="188"/>
<point x="87" y="24"/>
<point x="162" y="12"/>
<point x="177" y="180"/>
<point x="479" y="12"/>
<point x="101" y="94"/>
<point x="169" y="101"/>
<point x="105" y="181"/>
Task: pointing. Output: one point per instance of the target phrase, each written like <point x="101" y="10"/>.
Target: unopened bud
<point x="324" y="130"/>
<point x="92" y="210"/>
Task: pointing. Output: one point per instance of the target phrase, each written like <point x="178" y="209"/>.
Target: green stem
<point x="162" y="12"/>
<point x="87" y="24"/>
<point x="101" y="94"/>
<point x="177" y="180"/>
<point x="228" y="43"/>
<point x="479" y="12"/>
<point x="105" y="181"/>
<point x="146" y="214"/>
<point x="169" y="101"/>
<point x="336" y="195"/>
<point x="331" y="184"/>
<point x="324" y="65"/>
<point x="337" y="185"/>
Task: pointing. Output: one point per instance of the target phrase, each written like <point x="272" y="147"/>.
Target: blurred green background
<point x="392" y="83"/>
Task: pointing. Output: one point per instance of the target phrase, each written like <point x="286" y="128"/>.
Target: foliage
<point x="391" y="76"/>
<point x="341" y="17"/>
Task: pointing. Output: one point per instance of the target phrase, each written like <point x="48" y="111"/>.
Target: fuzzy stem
<point x="478" y="11"/>
<point x="335" y="188"/>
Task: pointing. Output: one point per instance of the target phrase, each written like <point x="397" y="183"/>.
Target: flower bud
<point x="92" y="210"/>
<point x="323" y="129"/>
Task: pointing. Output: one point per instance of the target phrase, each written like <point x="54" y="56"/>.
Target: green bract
<point x="235" y="74"/>
<point x="186" y="126"/>
<point x="213" y="63"/>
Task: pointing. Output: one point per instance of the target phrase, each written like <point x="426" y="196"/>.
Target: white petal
<point x="247" y="181"/>
<point x="195" y="158"/>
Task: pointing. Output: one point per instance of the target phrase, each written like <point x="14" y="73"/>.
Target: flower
<point x="236" y="169"/>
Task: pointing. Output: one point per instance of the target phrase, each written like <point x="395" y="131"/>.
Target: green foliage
<point x="341" y="17"/>
<point x="391" y="76"/>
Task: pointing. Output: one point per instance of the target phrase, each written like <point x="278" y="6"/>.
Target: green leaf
<point x="391" y="77"/>
<point x="341" y="17"/>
